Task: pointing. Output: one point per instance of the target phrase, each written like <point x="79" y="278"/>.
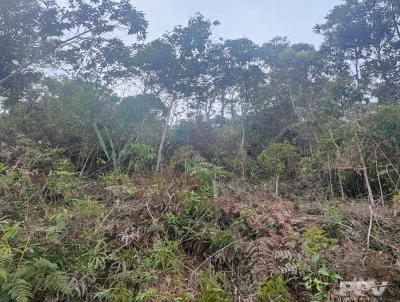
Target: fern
<point x="38" y="275"/>
<point x="18" y="290"/>
<point x="105" y="295"/>
<point x="4" y="297"/>
<point x="59" y="282"/>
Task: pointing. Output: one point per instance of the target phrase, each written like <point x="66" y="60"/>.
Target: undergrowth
<point x="116" y="237"/>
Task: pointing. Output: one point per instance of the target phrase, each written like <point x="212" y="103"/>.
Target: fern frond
<point x="105" y="295"/>
<point x="59" y="282"/>
<point x="19" y="290"/>
<point x="3" y="276"/>
<point x="4" y="297"/>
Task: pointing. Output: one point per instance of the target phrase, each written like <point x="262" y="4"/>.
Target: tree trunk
<point x="277" y="185"/>
<point x="293" y="103"/>
<point x="161" y="147"/>
<point x="379" y="178"/>
<point x="340" y="184"/>
<point x="242" y="151"/>
<point x="141" y="128"/>
<point x="370" y="194"/>
<point x="330" y="175"/>
<point x="233" y="113"/>
<point x="223" y="104"/>
<point x="338" y="170"/>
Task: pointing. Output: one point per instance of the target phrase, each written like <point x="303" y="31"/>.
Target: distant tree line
<point x="314" y="120"/>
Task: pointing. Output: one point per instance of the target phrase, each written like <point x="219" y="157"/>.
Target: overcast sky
<point x="259" y="20"/>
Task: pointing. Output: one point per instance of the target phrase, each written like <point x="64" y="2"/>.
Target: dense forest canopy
<point x="302" y="122"/>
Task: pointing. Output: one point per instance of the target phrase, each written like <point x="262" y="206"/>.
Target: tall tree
<point x="244" y="63"/>
<point x="39" y="34"/>
<point x="362" y="39"/>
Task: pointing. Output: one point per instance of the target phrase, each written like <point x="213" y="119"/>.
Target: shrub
<point x="60" y="186"/>
<point x="277" y="160"/>
<point x="314" y="241"/>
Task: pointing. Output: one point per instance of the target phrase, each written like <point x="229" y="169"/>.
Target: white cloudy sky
<point x="259" y="20"/>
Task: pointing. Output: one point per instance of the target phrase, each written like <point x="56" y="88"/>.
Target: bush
<point x="314" y="241"/>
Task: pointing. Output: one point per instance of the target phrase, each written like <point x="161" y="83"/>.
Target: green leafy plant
<point x="221" y="239"/>
<point x="212" y="290"/>
<point x="94" y="259"/>
<point x="124" y="287"/>
<point x="143" y="156"/>
<point x="274" y="289"/>
<point x="276" y="160"/>
<point x="314" y="241"/>
<point x="60" y="186"/>
<point x="165" y="255"/>
<point x="115" y="156"/>
<point x="318" y="278"/>
<point x="3" y="167"/>
<point x="34" y="278"/>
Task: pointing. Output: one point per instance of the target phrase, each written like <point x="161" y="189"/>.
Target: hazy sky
<point x="259" y="20"/>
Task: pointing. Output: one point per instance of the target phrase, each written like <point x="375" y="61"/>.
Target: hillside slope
<point x="176" y="237"/>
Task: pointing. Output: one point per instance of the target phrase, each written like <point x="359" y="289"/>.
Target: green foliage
<point x="36" y="276"/>
<point x="185" y="159"/>
<point x="143" y="155"/>
<point x="320" y="281"/>
<point x="36" y="36"/>
<point x="131" y="156"/>
<point x="60" y="186"/>
<point x="308" y="167"/>
<point x="271" y="164"/>
<point x="165" y="255"/>
<point x="314" y="241"/>
<point x="193" y="223"/>
<point x="318" y="278"/>
<point x="278" y="158"/>
<point x="16" y="289"/>
<point x="45" y="159"/>
<point x="212" y="289"/>
<point x="221" y="239"/>
<point x="109" y="148"/>
<point x="83" y="218"/>
<point x="199" y="208"/>
<point x="89" y="207"/>
<point x="388" y="124"/>
<point x="123" y="288"/>
<point x="333" y="220"/>
<point x="3" y="167"/>
<point x="94" y="259"/>
<point x="120" y="185"/>
<point x="274" y="289"/>
<point x="205" y="172"/>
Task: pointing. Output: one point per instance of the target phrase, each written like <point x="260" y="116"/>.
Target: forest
<point x="193" y="167"/>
